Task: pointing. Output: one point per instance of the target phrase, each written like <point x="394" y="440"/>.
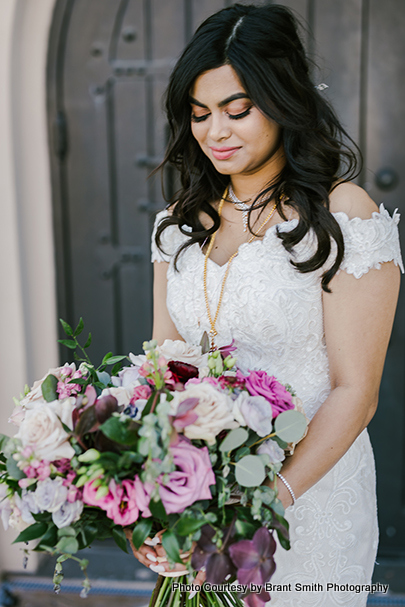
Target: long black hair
<point x="262" y="45"/>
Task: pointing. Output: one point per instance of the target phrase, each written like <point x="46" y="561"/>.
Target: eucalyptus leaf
<point x="66" y="532"/>
<point x="290" y="426"/>
<point x="234" y="439"/>
<point x="103" y="377"/>
<point x="13" y="470"/>
<point x="249" y="471"/>
<point x="68" y="544"/>
<point x="48" y="388"/>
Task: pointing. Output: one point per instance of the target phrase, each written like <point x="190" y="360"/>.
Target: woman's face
<point x="231" y="131"/>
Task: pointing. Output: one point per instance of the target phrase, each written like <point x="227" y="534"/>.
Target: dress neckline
<point x="244" y="244"/>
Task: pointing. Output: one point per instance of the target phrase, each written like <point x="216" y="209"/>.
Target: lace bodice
<point x="273" y="312"/>
<point x="275" y="315"/>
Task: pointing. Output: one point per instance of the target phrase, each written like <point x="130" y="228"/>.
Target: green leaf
<point x="104" y="377"/>
<point x="119" y="432"/>
<point x="79" y="327"/>
<point x="69" y="343"/>
<point x="141" y="532"/>
<point x="66" y="532"/>
<point x="49" y="539"/>
<point x="249" y="471"/>
<point x="187" y="525"/>
<point x="157" y="509"/>
<point x="205" y="343"/>
<point x="234" y="439"/>
<point x="88" y="342"/>
<point x="66" y="327"/>
<point x="113" y="360"/>
<point x="3" y="441"/>
<point x="48" y="388"/>
<point x="90" y="533"/>
<point x="290" y="426"/>
<point x="13" y="470"/>
<point x="68" y="544"/>
<point x="245" y="528"/>
<point x="120" y="538"/>
<point x="32" y="532"/>
<point x="106" y="357"/>
<point x="171" y="546"/>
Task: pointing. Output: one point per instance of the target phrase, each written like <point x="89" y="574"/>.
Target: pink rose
<point x="143" y="492"/>
<point x="190" y="481"/>
<point x="258" y="383"/>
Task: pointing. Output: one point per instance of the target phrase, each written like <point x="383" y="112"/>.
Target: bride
<point x="270" y="244"/>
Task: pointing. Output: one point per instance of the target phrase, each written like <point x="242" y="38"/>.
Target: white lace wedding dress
<point x="274" y="314"/>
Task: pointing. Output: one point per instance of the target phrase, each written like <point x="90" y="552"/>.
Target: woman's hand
<point x="153" y="555"/>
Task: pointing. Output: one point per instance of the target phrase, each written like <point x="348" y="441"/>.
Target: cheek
<point x="198" y="131"/>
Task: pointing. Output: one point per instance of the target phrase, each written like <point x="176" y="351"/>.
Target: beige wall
<point x="27" y="284"/>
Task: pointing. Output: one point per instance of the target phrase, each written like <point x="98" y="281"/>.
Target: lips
<point x="223" y="153"/>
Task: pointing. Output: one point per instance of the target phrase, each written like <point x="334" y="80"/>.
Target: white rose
<point x="35" y="394"/>
<point x="67" y="514"/>
<point x="273" y="450"/>
<point x="183" y="352"/>
<point x="50" y="494"/>
<point x="43" y="431"/>
<point x="254" y="412"/>
<point x="214" y="411"/>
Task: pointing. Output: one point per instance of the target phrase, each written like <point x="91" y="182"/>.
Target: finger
<point x="200" y="578"/>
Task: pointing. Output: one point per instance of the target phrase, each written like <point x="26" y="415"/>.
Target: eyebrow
<point x="221" y="103"/>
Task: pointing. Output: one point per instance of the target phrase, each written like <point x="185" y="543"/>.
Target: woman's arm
<point x="163" y="326"/>
<point x="358" y="318"/>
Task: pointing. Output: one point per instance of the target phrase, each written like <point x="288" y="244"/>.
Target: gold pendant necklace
<point x="213" y="332"/>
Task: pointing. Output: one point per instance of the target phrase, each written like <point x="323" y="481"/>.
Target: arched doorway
<point x="108" y="66"/>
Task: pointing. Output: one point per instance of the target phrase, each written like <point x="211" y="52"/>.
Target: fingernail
<point x="157" y="568"/>
<point x="151" y="557"/>
<point x="161" y="559"/>
<point x="192" y="594"/>
<point x="152" y="542"/>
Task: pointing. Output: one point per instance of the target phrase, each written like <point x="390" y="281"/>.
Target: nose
<point x="219" y="127"/>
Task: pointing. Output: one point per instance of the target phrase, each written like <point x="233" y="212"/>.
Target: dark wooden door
<point x="109" y="62"/>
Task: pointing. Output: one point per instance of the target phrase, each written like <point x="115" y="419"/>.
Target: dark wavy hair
<point x="262" y="45"/>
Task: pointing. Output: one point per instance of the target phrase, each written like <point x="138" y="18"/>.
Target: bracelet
<point x="287" y="484"/>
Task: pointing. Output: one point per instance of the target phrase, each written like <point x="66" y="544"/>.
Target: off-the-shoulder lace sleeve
<point x="370" y="242"/>
<point x="171" y="239"/>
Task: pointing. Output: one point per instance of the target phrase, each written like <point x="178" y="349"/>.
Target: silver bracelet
<point x="287" y="484"/>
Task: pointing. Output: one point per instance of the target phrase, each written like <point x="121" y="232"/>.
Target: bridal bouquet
<point x="179" y="441"/>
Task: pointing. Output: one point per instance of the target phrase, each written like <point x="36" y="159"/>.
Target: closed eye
<point x="195" y="118"/>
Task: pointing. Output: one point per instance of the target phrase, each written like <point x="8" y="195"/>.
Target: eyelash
<point x="231" y="116"/>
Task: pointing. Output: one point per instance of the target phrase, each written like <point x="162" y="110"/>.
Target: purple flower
<point x="254" y="558"/>
<point x="259" y="383"/>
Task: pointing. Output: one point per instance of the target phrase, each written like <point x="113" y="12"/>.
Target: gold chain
<point x="212" y="321"/>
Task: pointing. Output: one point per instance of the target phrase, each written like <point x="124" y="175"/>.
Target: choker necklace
<point x="212" y="321"/>
<point x="241" y="206"/>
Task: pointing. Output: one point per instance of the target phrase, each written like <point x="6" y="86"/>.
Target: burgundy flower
<point x="254" y="558"/>
<point x="259" y="383"/>
<point x="182" y="372"/>
<point x="217" y="561"/>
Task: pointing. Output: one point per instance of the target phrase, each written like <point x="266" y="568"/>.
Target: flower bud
<point x="102" y="491"/>
<point x="91" y="455"/>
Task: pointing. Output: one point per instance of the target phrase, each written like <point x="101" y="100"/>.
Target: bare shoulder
<point x="352" y="200"/>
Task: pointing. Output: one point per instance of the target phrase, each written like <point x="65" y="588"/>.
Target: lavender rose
<point x="259" y="383"/>
<point x="68" y="513"/>
<point x="254" y="412"/>
<point x="190" y="481"/>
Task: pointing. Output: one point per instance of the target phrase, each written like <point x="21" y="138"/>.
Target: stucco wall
<point x="27" y="291"/>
